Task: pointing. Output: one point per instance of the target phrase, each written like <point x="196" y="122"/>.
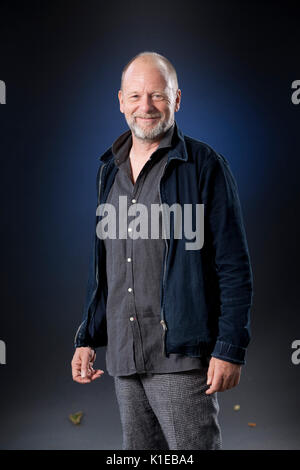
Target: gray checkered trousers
<point x="168" y="411"/>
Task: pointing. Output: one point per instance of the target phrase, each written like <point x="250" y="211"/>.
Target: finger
<point x="98" y="371"/>
<point x="97" y="374"/>
<point x="216" y="384"/>
<point x="84" y="365"/>
<point x="91" y="364"/>
<point x="91" y="373"/>
<point x="235" y="381"/>
<point x="76" y="368"/>
<point x="210" y="372"/>
<point x="226" y="383"/>
<point x="81" y="380"/>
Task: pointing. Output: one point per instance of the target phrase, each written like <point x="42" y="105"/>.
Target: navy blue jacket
<point x="206" y="294"/>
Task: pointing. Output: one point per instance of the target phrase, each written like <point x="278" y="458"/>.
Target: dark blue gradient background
<point x="61" y="62"/>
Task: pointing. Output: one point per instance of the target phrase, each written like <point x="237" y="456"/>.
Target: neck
<point x="143" y="147"/>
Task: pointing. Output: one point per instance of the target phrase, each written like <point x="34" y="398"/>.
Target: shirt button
<point x="131" y="318"/>
<point x="133" y="200"/>
<point x="129" y="289"/>
<point x="128" y="259"/>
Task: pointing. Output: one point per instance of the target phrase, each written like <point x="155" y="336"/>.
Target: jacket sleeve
<point x="225" y="227"/>
<point x="82" y="337"/>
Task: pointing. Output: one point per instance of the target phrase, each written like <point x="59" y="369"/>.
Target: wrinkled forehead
<point x="148" y="70"/>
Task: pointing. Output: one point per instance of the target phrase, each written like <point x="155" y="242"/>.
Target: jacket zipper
<point x="162" y="321"/>
<point x="97" y="267"/>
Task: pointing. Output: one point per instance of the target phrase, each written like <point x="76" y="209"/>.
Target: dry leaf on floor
<point x="252" y="425"/>
<point x="76" y="417"/>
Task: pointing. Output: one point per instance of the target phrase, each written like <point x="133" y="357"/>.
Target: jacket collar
<point x="178" y="146"/>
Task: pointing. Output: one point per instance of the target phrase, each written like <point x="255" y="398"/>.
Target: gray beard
<point x="152" y="134"/>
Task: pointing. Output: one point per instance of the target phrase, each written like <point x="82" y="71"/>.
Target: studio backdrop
<point x="61" y="61"/>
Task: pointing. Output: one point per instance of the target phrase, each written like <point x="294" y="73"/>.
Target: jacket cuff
<point x="85" y="346"/>
<point x="229" y="352"/>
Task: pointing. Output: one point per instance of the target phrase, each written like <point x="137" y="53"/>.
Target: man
<point x="175" y="319"/>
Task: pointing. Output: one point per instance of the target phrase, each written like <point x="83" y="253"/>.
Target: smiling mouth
<point x="148" y="119"/>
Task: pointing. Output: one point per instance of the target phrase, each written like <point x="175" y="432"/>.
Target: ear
<point x="120" y="96"/>
<point x="178" y="100"/>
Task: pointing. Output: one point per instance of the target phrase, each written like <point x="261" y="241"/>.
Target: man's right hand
<point x="82" y="366"/>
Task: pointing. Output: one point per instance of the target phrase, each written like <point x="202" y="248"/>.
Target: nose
<point x="146" y="103"/>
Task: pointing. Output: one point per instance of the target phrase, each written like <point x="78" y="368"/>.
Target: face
<point x="148" y="99"/>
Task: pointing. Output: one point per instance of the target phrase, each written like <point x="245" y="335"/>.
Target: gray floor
<point x="34" y="413"/>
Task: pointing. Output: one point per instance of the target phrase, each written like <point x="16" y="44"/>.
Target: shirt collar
<point x="123" y="143"/>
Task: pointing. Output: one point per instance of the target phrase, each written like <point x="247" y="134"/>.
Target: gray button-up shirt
<point x="134" y="273"/>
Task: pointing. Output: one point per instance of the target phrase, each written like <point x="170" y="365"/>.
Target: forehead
<point x="146" y="73"/>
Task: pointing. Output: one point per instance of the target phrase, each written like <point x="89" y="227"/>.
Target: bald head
<point x="156" y="61"/>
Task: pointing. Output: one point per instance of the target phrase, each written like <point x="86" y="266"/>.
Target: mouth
<point x="148" y="119"/>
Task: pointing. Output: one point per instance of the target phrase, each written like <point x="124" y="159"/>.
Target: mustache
<point x="147" y="116"/>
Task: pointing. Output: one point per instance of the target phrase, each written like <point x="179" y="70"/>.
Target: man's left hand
<point x="222" y="375"/>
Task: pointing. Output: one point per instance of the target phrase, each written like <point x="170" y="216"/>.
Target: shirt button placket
<point x="139" y="358"/>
